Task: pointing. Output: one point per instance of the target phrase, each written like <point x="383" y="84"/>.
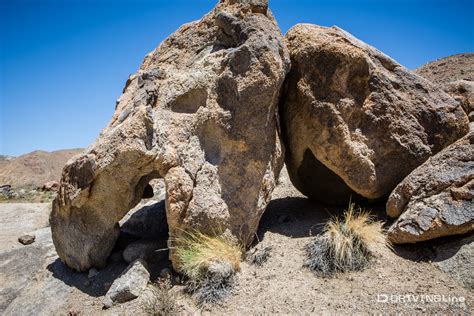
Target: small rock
<point x="6" y="191"/>
<point x="142" y="249"/>
<point x="27" y="239"/>
<point x="128" y="285"/>
<point x="92" y="273"/>
<point x="51" y="186"/>
<point x="166" y="273"/>
<point x="108" y="303"/>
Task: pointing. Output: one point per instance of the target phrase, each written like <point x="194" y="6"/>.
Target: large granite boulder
<point x="437" y="198"/>
<point x="201" y="113"/>
<point x="356" y="122"/>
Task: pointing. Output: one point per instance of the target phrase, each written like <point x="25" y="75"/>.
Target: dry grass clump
<point x="163" y="300"/>
<point x="344" y="245"/>
<point x="210" y="263"/>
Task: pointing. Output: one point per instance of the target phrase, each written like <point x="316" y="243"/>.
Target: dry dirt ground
<point x="34" y="282"/>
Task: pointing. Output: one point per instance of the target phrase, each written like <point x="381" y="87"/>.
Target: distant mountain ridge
<point x="35" y="168"/>
<point x="449" y="69"/>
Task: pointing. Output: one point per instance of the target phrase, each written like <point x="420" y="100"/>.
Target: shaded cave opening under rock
<point x="323" y="185"/>
<point x="144" y="229"/>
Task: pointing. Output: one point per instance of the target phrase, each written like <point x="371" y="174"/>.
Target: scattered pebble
<point x="27" y="239"/>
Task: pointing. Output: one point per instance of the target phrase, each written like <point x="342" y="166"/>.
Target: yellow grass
<point x="355" y="229"/>
<point x="197" y="251"/>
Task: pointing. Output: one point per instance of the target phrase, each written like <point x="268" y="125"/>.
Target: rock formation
<point x="463" y="92"/>
<point x="355" y="122"/>
<point x="455" y="75"/>
<point x="436" y="199"/>
<point x="201" y="113"/>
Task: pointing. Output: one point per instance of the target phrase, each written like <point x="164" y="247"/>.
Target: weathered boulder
<point x="437" y="198"/>
<point x="201" y="113"/>
<point x="356" y="122"/>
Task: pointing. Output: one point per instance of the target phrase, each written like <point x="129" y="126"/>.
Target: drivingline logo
<point x="420" y="298"/>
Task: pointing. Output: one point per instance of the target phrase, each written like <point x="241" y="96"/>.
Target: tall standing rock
<point x="356" y="122"/>
<point x="201" y="113"/>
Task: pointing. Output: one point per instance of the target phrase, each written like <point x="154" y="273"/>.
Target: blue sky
<point x="63" y="63"/>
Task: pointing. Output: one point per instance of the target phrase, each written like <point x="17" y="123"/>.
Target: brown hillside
<point x="5" y="160"/>
<point x="35" y="168"/>
<point x="448" y="69"/>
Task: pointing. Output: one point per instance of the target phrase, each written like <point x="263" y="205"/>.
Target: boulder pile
<point x="203" y="113"/>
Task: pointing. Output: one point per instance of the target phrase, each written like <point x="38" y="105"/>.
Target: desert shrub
<point x="215" y="285"/>
<point x="259" y="256"/>
<point x="163" y="300"/>
<point x="344" y="244"/>
<point x="210" y="264"/>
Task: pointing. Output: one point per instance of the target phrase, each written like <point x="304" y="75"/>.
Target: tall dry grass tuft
<point x="210" y="263"/>
<point x="344" y="245"/>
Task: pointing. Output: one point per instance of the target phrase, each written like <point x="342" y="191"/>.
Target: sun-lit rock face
<point x="201" y="113"/>
<point x="355" y="121"/>
<point x="437" y="198"/>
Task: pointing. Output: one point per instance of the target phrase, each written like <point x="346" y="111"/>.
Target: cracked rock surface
<point x="436" y="199"/>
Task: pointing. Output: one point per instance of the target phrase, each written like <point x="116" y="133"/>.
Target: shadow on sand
<point x="96" y="286"/>
<point x="147" y="222"/>
<point x="299" y="217"/>
<point x="435" y="250"/>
